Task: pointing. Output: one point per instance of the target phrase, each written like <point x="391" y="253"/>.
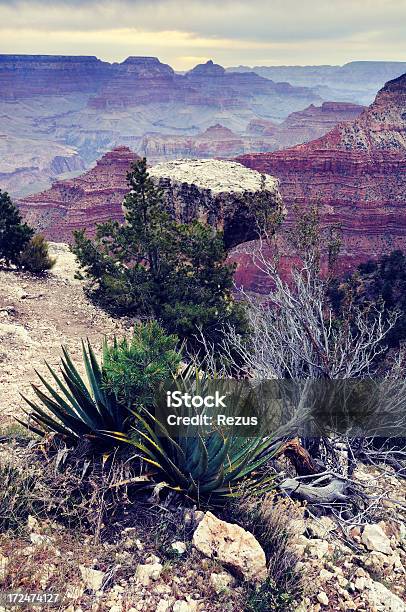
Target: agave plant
<point x="206" y="464"/>
<point x="76" y="409"/>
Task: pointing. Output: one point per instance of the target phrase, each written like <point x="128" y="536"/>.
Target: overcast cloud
<point x="184" y="32"/>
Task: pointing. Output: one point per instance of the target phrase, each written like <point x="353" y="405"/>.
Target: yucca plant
<point x="207" y="463"/>
<point x="75" y="409"/>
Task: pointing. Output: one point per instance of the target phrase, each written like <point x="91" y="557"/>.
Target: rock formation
<point x="25" y="76"/>
<point x="93" y="106"/>
<point x="218" y="192"/>
<point x="260" y="135"/>
<point x="223" y="193"/>
<point x="356" y="172"/>
<point x="303" y="126"/>
<point x="355" y="81"/>
<point x="81" y="202"/>
<point x="27" y="165"/>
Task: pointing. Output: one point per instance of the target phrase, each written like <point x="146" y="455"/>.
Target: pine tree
<point x="153" y="266"/>
<point x="14" y="234"/>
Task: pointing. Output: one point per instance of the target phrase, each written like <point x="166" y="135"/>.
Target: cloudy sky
<point x="185" y="32"/>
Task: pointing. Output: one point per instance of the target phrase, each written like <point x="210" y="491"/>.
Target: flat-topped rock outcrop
<point x="223" y="193"/>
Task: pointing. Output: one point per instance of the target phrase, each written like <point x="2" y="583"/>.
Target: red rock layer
<point x="356" y="173"/>
<point x="79" y="203"/>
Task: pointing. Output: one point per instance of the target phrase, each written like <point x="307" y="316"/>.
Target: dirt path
<point x="37" y="316"/>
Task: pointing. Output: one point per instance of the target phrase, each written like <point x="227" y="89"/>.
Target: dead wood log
<point x="332" y="492"/>
<point x="299" y="457"/>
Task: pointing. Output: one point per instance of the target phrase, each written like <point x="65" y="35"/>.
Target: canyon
<point x="91" y="106"/>
<point x="221" y="193"/>
<point x="259" y="135"/>
<point x="352" y="82"/>
<point x="88" y="107"/>
<point x="356" y="174"/>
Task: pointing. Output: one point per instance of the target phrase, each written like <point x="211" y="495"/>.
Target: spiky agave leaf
<point x="73" y="408"/>
<point x="208" y="466"/>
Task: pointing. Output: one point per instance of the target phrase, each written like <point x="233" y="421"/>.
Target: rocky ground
<point x="37" y="316"/>
<point x="201" y="565"/>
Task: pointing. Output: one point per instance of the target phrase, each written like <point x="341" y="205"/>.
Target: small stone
<point x="145" y="573"/>
<point x="322" y="598"/>
<point x="325" y="575"/>
<point x="32" y="523"/>
<point x="163" y="606"/>
<point x="221" y="582"/>
<point x="374" y="538"/>
<point x="38" y="539"/>
<point x="318" y="548"/>
<point x="232" y="546"/>
<point x="92" y="578"/>
<point x="179" y="547"/>
<point x="360" y="583"/>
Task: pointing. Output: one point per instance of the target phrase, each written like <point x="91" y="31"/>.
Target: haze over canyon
<point x="59" y="114"/>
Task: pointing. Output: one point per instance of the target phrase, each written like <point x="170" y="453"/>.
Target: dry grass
<point x="271" y="518"/>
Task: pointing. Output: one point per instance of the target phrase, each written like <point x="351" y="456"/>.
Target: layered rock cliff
<point x="356" y="173"/>
<point x="25" y="76"/>
<point x="81" y="202"/>
<point x="260" y="135"/>
<point x="222" y="193"/>
<point x="355" y="81"/>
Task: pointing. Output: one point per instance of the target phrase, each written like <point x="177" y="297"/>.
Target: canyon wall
<point x="224" y="194"/>
<point x="81" y="202"/>
<point x="356" y="174"/>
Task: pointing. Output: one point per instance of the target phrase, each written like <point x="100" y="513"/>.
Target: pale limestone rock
<point x="217" y="175"/>
<point x="318" y="548"/>
<point x="92" y="578"/>
<point x="325" y="575"/>
<point x="179" y="547"/>
<point x="150" y="571"/>
<point x="383" y="599"/>
<point x="374" y="538"/>
<point x="322" y="598"/>
<point x="38" y="539"/>
<point x="224" y="194"/>
<point x="163" y="606"/>
<point x="360" y="583"/>
<point x="32" y="523"/>
<point x="232" y="546"/>
<point x="221" y="582"/>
